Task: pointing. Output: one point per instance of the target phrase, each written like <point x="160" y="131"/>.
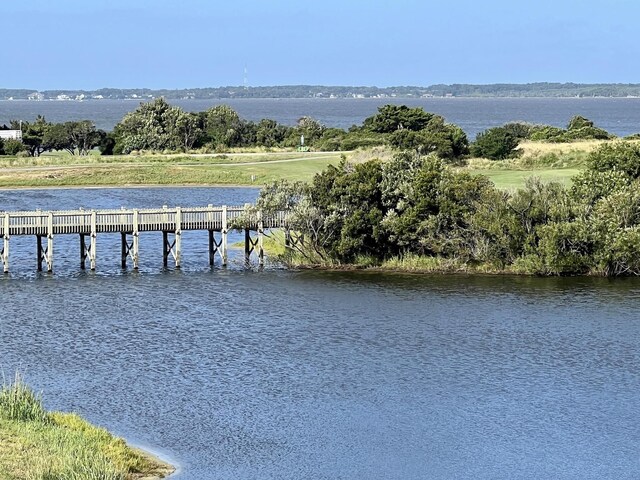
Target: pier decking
<point x="129" y="223"/>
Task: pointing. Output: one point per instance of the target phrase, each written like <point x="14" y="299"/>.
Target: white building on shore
<point x="36" y="96"/>
<point x="11" y="134"/>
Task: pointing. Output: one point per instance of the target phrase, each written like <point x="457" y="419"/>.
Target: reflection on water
<point x="289" y="375"/>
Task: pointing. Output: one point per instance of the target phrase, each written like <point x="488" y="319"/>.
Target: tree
<point x="397" y="117"/>
<point x="578" y="128"/>
<point x="578" y="121"/>
<point x="76" y="137"/>
<point x="495" y="144"/>
<point x="33" y="134"/>
<point x="223" y="126"/>
<point x="547" y="133"/>
<point x="84" y="136"/>
<point x="56" y="137"/>
<point x="520" y="130"/>
<point x="566" y="247"/>
<point x="152" y="126"/>
<point x="188" y="129"/>
<point x="447" y="141"/>
<point x="270" y="133"/>
<point x="310" y="128"/>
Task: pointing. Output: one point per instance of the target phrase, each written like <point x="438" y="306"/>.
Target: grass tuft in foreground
<point x="19" y="403"/>
<point x="40" y="445"/>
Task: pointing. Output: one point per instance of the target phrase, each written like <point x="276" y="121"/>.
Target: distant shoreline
<point x="498" y="90"/>
<point x="388" y="98"/>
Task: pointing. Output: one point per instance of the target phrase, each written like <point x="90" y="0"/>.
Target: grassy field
<point x="512" y="179"/>
<point x="549" y="161"/>
<point x="40" y="445"/>
<point x="233" y="169"/>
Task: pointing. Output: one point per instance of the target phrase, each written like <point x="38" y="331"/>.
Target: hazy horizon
<point x="76" y="45"/>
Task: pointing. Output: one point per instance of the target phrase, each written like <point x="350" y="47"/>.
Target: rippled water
<point x="620" y="116"/>
<point x="275" y="374"/>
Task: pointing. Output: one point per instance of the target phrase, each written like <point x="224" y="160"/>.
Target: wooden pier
<point x="87" y="224"/>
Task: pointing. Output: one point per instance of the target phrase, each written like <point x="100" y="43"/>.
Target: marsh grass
<point x="40" y="445"/>
<point x="421" y="263"/>
<point x="19" y="403"/>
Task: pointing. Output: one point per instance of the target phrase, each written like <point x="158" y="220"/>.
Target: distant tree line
<point x="540" y="89"/>
<point x="417" y="206"/>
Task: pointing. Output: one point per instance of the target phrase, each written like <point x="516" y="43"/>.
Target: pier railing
<point x="131" y="222"/>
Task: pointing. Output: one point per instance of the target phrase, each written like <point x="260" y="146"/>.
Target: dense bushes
<point x="11" y="147"/>
<point x="416" y="205"/>
<point x="495" y="144"/>
<point x="578" y="128"/>
<point x="500" y="143"/>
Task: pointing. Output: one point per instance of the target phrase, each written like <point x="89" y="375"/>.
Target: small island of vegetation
<point x="41" y="445"/>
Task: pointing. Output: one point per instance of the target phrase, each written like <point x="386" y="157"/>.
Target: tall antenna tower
<point x="246" y="80"/>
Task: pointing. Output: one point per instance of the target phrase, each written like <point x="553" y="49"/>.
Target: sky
<point x="91" y="44"/>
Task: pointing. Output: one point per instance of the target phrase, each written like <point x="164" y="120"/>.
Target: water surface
<point x="620" y="116"/>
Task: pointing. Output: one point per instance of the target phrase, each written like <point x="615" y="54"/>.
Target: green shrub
<point x="579" y="128"/>
<point x="547" y="133"/>
<point x="578" y="122"/>
<point x="566" y="248"/>
<point x="520" y="130"/>
<point x="621" y="156"/>
<point x="495" y="144"/>
<point x="14" y="147"/>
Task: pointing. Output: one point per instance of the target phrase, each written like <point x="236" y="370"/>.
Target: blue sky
<point x="91" y="44"/>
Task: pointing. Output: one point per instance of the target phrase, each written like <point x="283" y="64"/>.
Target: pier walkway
<point x="87" y="224"/>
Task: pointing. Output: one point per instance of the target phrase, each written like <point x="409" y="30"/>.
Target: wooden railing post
<point x="94" y="235"/>
<point x="49" y="254"/>
<point x="223" y="245"/>
<point x="260" y="239"/>
<point x="178" y="235"/>
<point x="136" y="243"/>
<point x="5" y="247"/>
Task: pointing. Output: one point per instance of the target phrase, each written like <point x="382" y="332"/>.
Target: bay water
<point x="620" y="116"/>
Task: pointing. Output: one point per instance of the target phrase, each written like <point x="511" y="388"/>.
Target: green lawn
<point x="196" y="171"/>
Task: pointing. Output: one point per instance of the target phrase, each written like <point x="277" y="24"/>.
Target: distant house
<point x="11" y="134"/>
<point x="36" y="96"/>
